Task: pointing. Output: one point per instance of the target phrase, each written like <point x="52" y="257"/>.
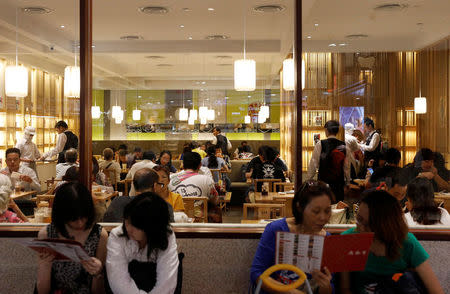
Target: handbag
<point x="143" y="274"/>
<point x="407" y="283"/>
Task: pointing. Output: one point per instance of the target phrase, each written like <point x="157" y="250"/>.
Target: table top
<point x="272" y="196"/>
<point x="16" y="195"/>
<point x="99" y="196"/>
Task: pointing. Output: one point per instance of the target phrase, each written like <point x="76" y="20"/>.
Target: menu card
<point x="340" y="253"/>
<point x="61" y="249"/>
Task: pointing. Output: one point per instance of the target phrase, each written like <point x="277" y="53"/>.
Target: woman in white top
<point x="422" y="208"/>
<point x="142" y="252"/>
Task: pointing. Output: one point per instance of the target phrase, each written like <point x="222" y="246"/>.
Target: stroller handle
<point x="264" y="278"/>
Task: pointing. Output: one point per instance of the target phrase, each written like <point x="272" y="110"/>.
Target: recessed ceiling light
<point x="308" y="37"/>
<point x="190" y="38"/>
<point x="211" y="9"/>
<point x="171" y="101"/>
<point x="181" y="26"/>
<point x="273" y="94"/>
<point x="332" y="45"/>
<point x="203" y="83"/>
<point x="93" y="46"/>
<point x="131" y="37"/>
<point x="357" y="98"/>
<point x="37" y="10"/>
<point x="357" y="36"/>
<point x="154" y="57"/>
<point x="269" y="8"/>
<point x="342" y="44"/>
<point x="188" y="100"/>
<point x="153" y="10"/>
<point x="249" y="96"/>
<point x="316" y="24"/>
<point x="186" y="9"/>
<point x="139" y="96"/>
<point x="217" y="37"/>
<point x="164" y="65"/>
<point x="62" y="26"/>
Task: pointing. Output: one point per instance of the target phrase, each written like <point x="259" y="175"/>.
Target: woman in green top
<point x="393" y="250"/>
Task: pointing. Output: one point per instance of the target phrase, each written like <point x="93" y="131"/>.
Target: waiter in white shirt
<point x="65" y="140"/>
<point x="29" y="152"/>
<point x="372" y="146"/>
<point x="20" y="175"/>
<point x="221" y="140"/>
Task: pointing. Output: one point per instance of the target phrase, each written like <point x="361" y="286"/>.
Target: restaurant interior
<point x="160" y="74"/>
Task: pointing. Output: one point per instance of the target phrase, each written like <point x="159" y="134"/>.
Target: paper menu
<point x="313" y="252"/>
<point x="61" y="249"/>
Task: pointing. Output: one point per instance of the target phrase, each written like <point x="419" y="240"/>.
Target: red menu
<point x="340" y="253"/>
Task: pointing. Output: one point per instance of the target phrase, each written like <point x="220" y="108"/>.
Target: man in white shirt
<point x="65" y="140"/>
<point x="20" y="175"/>
<point x="148" y="161"/>
<point x="189" y="183"/>
<point x="28" y="150"/>
<point x="372" y="146"/>
<point x="70" y="156"/>
<point x="221" y="140"/>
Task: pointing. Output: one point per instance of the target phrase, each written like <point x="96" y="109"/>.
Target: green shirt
<point x="412" y="255"/>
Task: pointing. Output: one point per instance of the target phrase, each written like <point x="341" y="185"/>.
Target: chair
<point x="283" y="186"/>
<point x="51" y="185"/>
<point x="127" y="186"/>
<point x="265" y="210"/>
<point x="190" y="210"/>
<point x="223" y="201"/>
<point x="45" y="197"/>
<point x="111" y="176"/>
<point x="270" y="181"/>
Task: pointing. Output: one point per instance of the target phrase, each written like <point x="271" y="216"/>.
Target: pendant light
<point x="16" y="77"/>
<point x="247" y="119"/>
<point x="245" y="69"/>
<point x="72" y="78"/>
<point x="261" y="118"/>
<point x="211" y="115"/>
<point x="115" y="110"/>
<point x="183" y="112"/>
<point x="95" y="110"/>
<point x="193" y="114"/>
<point x="119" y="117"/>
<point x="203" y="121"/>
<point x="136" y="112"/>
<point x="203" y="112"/>
<point x="191" y="120"/>
<point x="420" y="103"/>
<point x="288" y="75"/>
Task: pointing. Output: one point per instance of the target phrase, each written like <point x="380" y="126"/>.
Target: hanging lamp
<point x="95" y="110"/>
<point x="16" y="77"/>
<point x="211" y="114"/>
<point x="136" y="112"/>
<point x="245" y="69"/>
<point x="183" y="113"/>
<point x="288" y="75"/>
<point x="247" y="119"/>
<point x="203" y="112"/>
<point x="420" y="103"/>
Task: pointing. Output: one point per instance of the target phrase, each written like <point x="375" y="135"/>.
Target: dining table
<point x="21" y="194"/>
<point x="272" y="197"/>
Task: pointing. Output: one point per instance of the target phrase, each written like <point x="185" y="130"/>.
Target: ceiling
<point x="168" y="56"/>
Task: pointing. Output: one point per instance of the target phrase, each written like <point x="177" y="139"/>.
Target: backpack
<point x="332" y="160"/>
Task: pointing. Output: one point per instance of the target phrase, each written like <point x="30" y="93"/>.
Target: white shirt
<point x="205" y="171"/>
<point x="373" y="143"/>
<point x="61" y="140"/>
<point x="137" y="166"/>
<point x="28" y="150"/>
<point x="35" y="185"/>
<point x="61" y="169"/>
<point x="121" y="251"/>
<point x="445" y="219"/>
<point x="314" y="163"/>
<point x="111" y="165"/>
<point x="214" y="142"/>
<point x="190" y="184"/>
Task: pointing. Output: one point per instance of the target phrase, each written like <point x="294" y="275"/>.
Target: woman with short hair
<point x="394" y="249"/>
<point x="142" y="252"/>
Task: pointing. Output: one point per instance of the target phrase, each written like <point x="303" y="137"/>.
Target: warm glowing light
<point x="72" y="81"/>
<point x="245" y="75"/>
<point x="420" y="105"/>
<point x="203" y="121"/>
<point x="183" y="113"/>
<point x="96" y="113"/>
<point x="115" y="111"/>
<point x="16" y="81"/>
<point x="288" y="75"/>
<point x="136" y="114"/>
<point x="265" y="111"/>
<point x="193" y="114"/>
<point x="203" y="112"/>
<point x="247" y="119"/>
<point x="211" y="114"/>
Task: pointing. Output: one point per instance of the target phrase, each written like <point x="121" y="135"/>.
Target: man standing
<point x="331" y="158"/>
<point x="221" y="141"/>
<point x="65" y="140"/>
<point x="372" y="146"/>
<point x="20" y="175"/>
<point x="28" y="150"/>
<point x="148" y="161"/>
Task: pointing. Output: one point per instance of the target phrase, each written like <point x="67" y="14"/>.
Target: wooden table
<point x="103" y="197"/>
<point x="15" y="195"/>
<point x="272" y="197"/>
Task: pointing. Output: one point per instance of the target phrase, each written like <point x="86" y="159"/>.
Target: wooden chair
<point x="270" y="181"/>
<point x="111" y="176"/>
<point x="51" y="185"/>
<point x="283" y="186"/>
<point x="223" y="201"/>
<point x="44" y="197"/>
<point x="127" y="186"/>
<point x="265" y="210"/>
<point x="190" y="210"/>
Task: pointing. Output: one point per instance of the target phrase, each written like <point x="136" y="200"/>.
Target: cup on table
<point x="39" y="215"/>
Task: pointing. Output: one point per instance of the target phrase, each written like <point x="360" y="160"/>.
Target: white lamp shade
<point x="247" y="119"/>
<point x="120" y="115"/>
<point x="420" y="105"/>
<point x="72" y="81"/>
<point x="16" y="81"/>
<point x="303" y="74"/>
<point x="203" y="120"/>
<point x="203" y="112"/>
<point x="245" y="75"/>
<point x="191" y="121"/>
<point x="261" y="118"/>
<point x="183" y="114"/>
<point x="264" y="110"/>
<point x="211" y="114"/>
<point x="193" y="114"/>
<point x="115" y="111"/>
<point x="288" y="75"/>
<point x="96" y="113"/>
<point x="136" y="114"/>
<point x="118" y="121"/>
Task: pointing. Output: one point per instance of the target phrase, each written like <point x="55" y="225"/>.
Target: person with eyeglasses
<point x="162" y="189"/>
<point x="144" y="180"/>
<point x="311" y="207"/>
<point x="393" y="251"/>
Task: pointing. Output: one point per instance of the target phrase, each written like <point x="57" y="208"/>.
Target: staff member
<point x="372" y="146"/>
<point x="221" y="140"/>
<point x="28" y="150"/>
<point x="66" y="140"/>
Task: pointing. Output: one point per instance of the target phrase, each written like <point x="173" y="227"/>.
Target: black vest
<point x="72" y="142"/>
<point x="375" y="154"/>
<point x="328" y="145"/>
<point x="223" y="143"/>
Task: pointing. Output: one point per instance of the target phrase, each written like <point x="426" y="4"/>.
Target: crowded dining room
<point x="240" y="146"/>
